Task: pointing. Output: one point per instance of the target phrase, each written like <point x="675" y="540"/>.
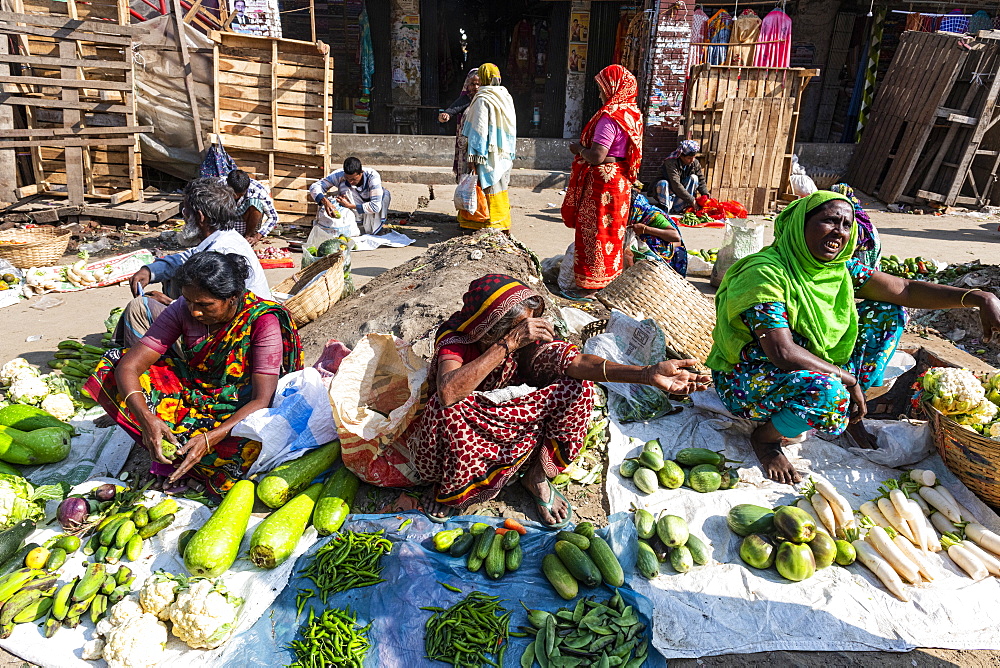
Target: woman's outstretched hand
<point x="672" y="377"/>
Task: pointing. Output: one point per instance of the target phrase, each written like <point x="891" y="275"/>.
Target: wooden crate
<point x="70" y="74"/>
<point x="273" y="100"/>
<point x="745" y="119"/>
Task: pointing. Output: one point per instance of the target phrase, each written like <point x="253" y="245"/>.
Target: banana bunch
<point x="121" y="535"/>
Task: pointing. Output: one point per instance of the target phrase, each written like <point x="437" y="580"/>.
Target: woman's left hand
<point x="859" y="404"/>
<point x="575" y="148"/>
<point x="639" y="229"/>
<point x="989" y="317"/>
<point x="671" y="377"/>
<point x="196" y="448"/>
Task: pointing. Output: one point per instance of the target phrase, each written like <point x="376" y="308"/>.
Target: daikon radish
<point x="932" y="535"/>
<point x="897" y="522"/>
<point x="838" y="503"/>
<point x="871" y="511"/>
<point x="918" y="524"/>
<point x="941" y="503"/>
<point x="870" y="557"/>
<point x="909" y="513"/>
<point x="990" y="561"/>
<point x="825" y="513"/>
<point x="919" y="500"/>
<point x="914" y="555"/>
<point x="983" y="537"/>
<point x="879" y="539"/>
<point x="806" y="505"/>
<point x="923" y="477"/>
<point x="966" y="514"/>
<point x="942" y="523"/>
<point x="965" y="559"/>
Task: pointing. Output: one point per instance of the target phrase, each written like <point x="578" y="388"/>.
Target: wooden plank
<point x="241" y="41"/>
<point x="71" y="117"/>
<point x="264" y="107"/>
<point x="10" y="29"/>
<point x="66" y="143"/>
<point x="56" y="63"/>
<point x="95" y="84"/>
<point x="285" y="84"/>
<point x="67" y="23"/>
<point x="8" y="157"/>
<point x="249" y="67"/>
<point x="289" y="122"/>
<point x="63" y="132"/>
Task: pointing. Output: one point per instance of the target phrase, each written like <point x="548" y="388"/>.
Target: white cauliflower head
<point x="93" y="649"/>
<point x="158" y="593"/>
<point x="118" y="614"/>
<point x="16" y="368"/>
<point x="953" y="391"/>
<point x="59" y="406"/>
<point x="204" y="614"/>
<point x="137" y="643"/>
<point x="983" y="413"/>
<point x="28" y="389"/>
<point x="993" y="431"/>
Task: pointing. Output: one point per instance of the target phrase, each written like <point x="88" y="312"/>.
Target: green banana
<point x="98" y="608"/>
<point x="80" y="607"/>
<point x="17" y="604"/>
<point x="60" y="602"/>
<point x="51" y="626"/>
<point x="13" y="583"/>
<point x="120" y="592"/>
<point x="35" y="611"/>
<point x="114" y="555"/>
<point x="89" y="584"/>
<point x="71" y="622"/>
<point x="109" y="584"/>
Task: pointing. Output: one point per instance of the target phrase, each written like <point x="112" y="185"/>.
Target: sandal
<point x="575" y="296"/>
<point x="439" y="520"/>
<point x="547" y="506"/>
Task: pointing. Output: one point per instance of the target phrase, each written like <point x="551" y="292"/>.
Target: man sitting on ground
<point x="254" y="206"/>
<point x="681" y="178"/>
<point x="360" y="190"/>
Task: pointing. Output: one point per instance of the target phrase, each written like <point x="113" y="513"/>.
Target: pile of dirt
<point x="413" y="299"/>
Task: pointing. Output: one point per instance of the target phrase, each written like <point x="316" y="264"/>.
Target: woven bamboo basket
<point x="653" y="290"/>
<point x="975" y="459"/>
<point x="310" y="301"/>
<point x="39" y="247"/>
<point x="593" y="329"/>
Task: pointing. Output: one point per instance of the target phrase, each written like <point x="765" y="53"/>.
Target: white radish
<point x="942" y="523"/>
<point x="918" y="524"/>
<point x="916" y="556"/>
<point x="870" y="557"/>
<point x="938" y="501"/>
<point x="966" y="514"/>
<point x="923" y="477"/>
<point x="879" y="539"/>
<point x="968" y="562"/>
<point x="838" y="503"/>
<point x="983" y="537"/>
<point x="935" y="544"/>
<point x="871" y="511"/>
<point x="897" y="522"/>
<point x="825" y="513"/>
<point x="909" y="514"/>
<point x="919" y="500"/>
<point x="806" y="505"/>
<point x="990" y="561"/>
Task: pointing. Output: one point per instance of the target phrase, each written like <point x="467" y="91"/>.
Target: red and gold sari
<point x="599" y="196"/>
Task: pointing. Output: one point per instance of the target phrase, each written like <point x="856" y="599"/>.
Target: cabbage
<point x="112" y="322"/>
<point x="19" y="500"/>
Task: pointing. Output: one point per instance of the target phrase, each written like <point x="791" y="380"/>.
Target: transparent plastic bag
<point x="466" y="198"/>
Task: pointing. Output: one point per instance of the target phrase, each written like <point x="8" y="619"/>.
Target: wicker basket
<point x="41" y="247"/>
<point x="593" y="329"/>
<point x="653" y="290"/>
<point x="308" y="303"/>
<point x="970" y="456"/>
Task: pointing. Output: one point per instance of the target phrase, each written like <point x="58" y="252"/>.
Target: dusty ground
<point x="950" y="238"/>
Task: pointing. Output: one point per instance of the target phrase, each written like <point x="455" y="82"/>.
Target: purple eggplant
<point x="72" y="512"/>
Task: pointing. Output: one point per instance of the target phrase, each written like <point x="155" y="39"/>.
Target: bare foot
<point x="536" y="483"/>
<point x="766" y="442"/>
<point x="861" y="436"/>
<point x="104" y="421"/>
<point x="431" y="506"/>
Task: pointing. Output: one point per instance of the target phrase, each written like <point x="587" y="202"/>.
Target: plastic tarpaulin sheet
<point x="727" y="607"/>
<point x="412" y="572"/>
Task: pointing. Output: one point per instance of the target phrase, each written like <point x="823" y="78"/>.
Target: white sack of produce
<point x="727" y="607"/>
<point x="256" y="586"/>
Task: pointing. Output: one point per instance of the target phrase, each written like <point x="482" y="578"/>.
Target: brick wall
<point x="668" y="85"/>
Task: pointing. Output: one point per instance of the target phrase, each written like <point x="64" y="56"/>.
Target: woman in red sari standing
<point x="599" y="194"/>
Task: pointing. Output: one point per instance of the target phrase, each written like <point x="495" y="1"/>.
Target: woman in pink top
<point x="209" y="360"/>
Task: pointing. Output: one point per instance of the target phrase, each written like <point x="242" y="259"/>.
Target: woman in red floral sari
<point x="600" y="186"/>
<point x="508" y="398"/>
<point x="233" y="347"/>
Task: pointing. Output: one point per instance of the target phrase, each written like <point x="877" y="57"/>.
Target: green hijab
<point x="819" y="296"/>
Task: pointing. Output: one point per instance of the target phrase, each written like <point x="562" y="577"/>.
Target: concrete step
<point x="535" y="179"/>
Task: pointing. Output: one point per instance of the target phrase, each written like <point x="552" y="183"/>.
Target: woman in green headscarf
<point x="794" y="350"/>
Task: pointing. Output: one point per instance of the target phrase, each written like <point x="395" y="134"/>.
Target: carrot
<point x="870" y="557"/>
<point x="513" y="524"/>
<point x="501" y="531"/>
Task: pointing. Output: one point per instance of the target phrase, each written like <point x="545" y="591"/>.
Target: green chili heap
<point x="467" y="632"/>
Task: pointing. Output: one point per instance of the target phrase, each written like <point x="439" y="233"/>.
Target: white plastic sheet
<point x="726" y="607"/>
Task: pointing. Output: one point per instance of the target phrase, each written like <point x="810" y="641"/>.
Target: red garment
<point x="620" y="90"/>
<point x="486" y="301"/>
<point x="460" y="352"/>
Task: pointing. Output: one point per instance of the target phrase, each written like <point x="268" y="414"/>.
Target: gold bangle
<point x="604" y="370"/>
<point x="966" y="294"/>
<point x="208" y="446"/>
<point x="125" y="400"/>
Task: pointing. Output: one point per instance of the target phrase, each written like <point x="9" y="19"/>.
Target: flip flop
<point x="575" y="297"/>
<point x="438" y="520"/>
<point x="547" y="506"/>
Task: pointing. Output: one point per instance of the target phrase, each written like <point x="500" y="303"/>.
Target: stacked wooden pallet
<point x="68" y="81"/>
<point x="272" y="114"/>
<point x="745" y="119"/>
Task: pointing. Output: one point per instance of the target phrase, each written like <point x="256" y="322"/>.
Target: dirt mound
<point x="413" y="299"/>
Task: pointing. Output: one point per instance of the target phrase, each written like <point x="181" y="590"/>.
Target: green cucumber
<point x="585" y="529"/>
<point x="16" y="560"/>
<point x="155" y="526"/>
<point x="473" y="561"/>
<point x="335" y="501"/>
<point x="606" y="561"/>
<point x="672" y="530"/>
<point x="279" y="486"/>
<point x="578" y="563"/>
<point x="461" y="546"/>
<point x="681" y="559"/>
<point x="512" y="539"/>
<point x="275" y="538"/>
<point x="580" y="541"/>
<point x="11" y="539"/>
<point x="559" y="577"/>
<point x="495" y="563"/>
<point x="482" y="546"/>
<point x="645" y="524"/>
<point x="514" y="557"/>
<point x="646" y="562"/>
<point x="214" y="547"/>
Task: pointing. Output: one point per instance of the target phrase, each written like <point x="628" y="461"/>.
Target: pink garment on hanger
<point x="777" y="25"/>
<point x="699" y="34"/>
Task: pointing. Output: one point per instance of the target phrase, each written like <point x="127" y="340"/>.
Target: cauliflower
<point x="204" y="614"/>
<point x="59" y="406"/>
<point x="158" y="593"/>
<point x="93" y="650"/>
<point x="983" y="413"/>
<point x="953" y="391"/>
<point x="137" y="643"/>
<point x="993" y="431"/>
<point x="123" y="610"/>
<point x="15" y="369"/>
<point x="28" y="389"/>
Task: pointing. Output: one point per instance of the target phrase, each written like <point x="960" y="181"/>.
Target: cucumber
<point x="140" y="516"/>
<point x="560" y="578"/>
<point x="514" y="558"/>
<point x="672" y="530"/>
<point x="133" y="549"/>
<point x="578" y="563"/>
<point x="705" y="478"/>
<point x="701" y="552"/>
<point x="495" y="563"/>
<point x="335" y="501"/>
<point x="645" y="479"/>
<point x="585" y="529"/>
<point x="69" y="344"/>
<point x="109" y="532"/>
<point x="473" y="561"/>
<point x="11" y="539"/>
<point x="279" y="486"/>
<point x="155" y="527"/>
<point x="482" y="546"/>
<point x="125" y="533"/>
<point x="16" y="560"/>
<point x="646" y="562"/>
<point x="581" y="542"/>
<point x="645" y="524"/>
<point x="606" y="561"/>
<point x="275" y="538"/>
<point x="461" y="546"/>
<point x="162" y="509"/>
<point x="213" y="548"/>
<point x="512" y="539"/>
<point x="681" y="559"/>
<point x="57" y="557"/>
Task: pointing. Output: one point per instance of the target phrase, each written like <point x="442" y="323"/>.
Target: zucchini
<point x="495" y="562"/>
<point x="461" y="546"/>
<point x="16" y="560"/>
<point x="213" y="548"/>
<point x="511" y="539"/>
<point x="578" y="563"/>
<point x="514" y="557"/>
<point x="279" y="486"/>
<point x="11" y="539"/>
<point x="585" y="529"/>
<point x="746" y="519"/>
<point x="606" y="561"/>
<point x="275" y="538"/>
<point x="646" y="562"/>
<point x="580" y="541"/>
<point x="561" y="579"/>
<point x="335" y="501"/>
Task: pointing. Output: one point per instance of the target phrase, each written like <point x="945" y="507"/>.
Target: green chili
<point x="467" y="633"/>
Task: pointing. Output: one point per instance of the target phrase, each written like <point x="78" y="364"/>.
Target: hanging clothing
<point x="216" y="162"/>
<point x="720" y="30"/>
<point x="776" y="26"/>
<point x="367" y="52"/>
<point x="598" y="197"/>
<point x="955" y="21"/>
<point x="746" y="30"/>
<point x="979" y="21"/>
<point x="699" y="35"/>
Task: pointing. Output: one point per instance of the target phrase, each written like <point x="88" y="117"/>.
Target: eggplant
<point x="105" y="492"/>
<point x="72" y="512"/>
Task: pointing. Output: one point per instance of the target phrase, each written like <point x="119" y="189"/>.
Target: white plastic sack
<point x="327" y="227"/>
<point x="699" y="267"/>
<point x="802" y="185"/>
<point x="567" y="280"/>
<point x="576" y="319"/>
<point x="743" y="237"/>
<point x="466" y="198"/>
<point x="899" y="443"/>
<point x="298" y="419"/>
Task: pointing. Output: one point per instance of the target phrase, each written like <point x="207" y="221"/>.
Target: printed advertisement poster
<point x="579" y="27"/>
<point x="255" y="17"/>
<point x="577" y="57"/>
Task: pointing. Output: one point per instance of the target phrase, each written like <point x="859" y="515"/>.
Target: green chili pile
<point x="349" y="560"/>
<point x="468" y="632"/>
<point x="332" y="639"/>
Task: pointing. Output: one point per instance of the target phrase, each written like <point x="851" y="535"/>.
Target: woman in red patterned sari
<point x="508" y="398"/>
<point x="600" y="186"/>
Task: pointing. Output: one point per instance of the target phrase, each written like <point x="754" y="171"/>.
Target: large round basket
<point x="33" y="247"/>
<point x="975" y="459"/>
<point x="653" y="290"/>
<point x="312" y="298"/>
